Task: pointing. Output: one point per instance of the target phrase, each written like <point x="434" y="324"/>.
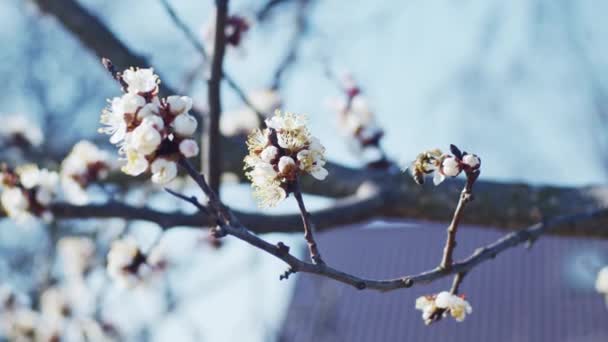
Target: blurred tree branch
<point x="497" y="204"/>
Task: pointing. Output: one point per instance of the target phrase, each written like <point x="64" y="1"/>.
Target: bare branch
<point x="211" y="157"/>
<point x="233" y="227"/>
<point x="465" y="197"/>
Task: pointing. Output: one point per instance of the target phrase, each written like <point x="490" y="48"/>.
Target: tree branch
<point x="211" y="130"/>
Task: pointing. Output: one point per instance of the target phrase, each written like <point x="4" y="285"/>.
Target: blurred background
<point x="520" y="83"/>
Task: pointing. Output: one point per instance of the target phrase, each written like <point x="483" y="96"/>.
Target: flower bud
<point x="179" y="104"/>
<point x="269" y="153"/>
<point x="188" y="148"/>
<point x="471" y="160"/>
<point x="450" y="167"/>
<point x="184" y="125"/>
<point x="286" y="165"/>
<point x="163" y="170"/>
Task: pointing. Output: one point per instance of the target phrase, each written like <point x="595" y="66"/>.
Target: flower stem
<point x="309" y="227"/>
<point x="450" y="244"/>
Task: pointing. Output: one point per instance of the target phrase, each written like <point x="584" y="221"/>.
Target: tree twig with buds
<point x="309" y="226"/>
<point x="465" y="197"/>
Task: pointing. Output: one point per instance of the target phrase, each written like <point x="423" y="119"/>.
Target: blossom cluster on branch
<point x="27" y="191"/>
<point x="279" y="153"/>
<point x="434" y="307"/>
<point x="152" y="133"/>
<point x="443" y="165"/>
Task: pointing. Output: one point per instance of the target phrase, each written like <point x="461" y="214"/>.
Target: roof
<point x="543" y="293"/>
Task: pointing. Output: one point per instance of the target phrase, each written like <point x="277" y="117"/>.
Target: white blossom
<point x="184" y="125"/>
<point x="601" y="282"/>
<point x="266" y="100"/>
<point x="238" y="121"/>
<point x="136" y="163"/>
<point x="123" y="254"/>
<point x="15" y="203"/>
<point x="18" y="125"/>
<point x="455" y="305"/>
<point x="76" y="170"/>
<point x="163" y="170"/>
<point x="188" y="148"/>
<point x="146" y="138"/>
<point x="179" y="104"/>
<point x="471" y="160"/>
<point x="427" y="305"/>
<point x="140" y="80"/>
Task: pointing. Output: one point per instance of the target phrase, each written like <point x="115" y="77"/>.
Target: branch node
<point x="407" y="282"/>
<point x="287" y="273"/>
<point x="360" y="285"/>
<point x="283" y="248"/>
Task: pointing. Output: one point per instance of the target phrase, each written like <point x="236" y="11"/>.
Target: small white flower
<point x="286" y="121"/>
<point x="265" y="100"/>
<point x="18" y="125"/>
<point x="179" y="104"/>
<point x="15" y="203"/>
<point x="163" y="170"/>
<point x="471" y="160"/>
<point x="457" y="306"/>
<point x="241" y="121"/>
<point x="286" y="165"/>
<point x="136" y="163"/>
<point x="188" y="148"/>
<point x="269" y="153"/>
<point x="184" y="125"/>
<point x="145" y="139"/>
<point x="140" y="80"/>
<point x="427" y="305"/>
<point x="601" y="282"/>
<point x="122" y="255"/>
<point x="450" y="167"/>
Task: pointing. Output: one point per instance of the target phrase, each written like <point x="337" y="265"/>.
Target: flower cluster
<point x="243" y="120"/>
<point x="358" y="123"/>
<point x="152" y="133"/>
<point x="27" y="191"/>
<point x="279" y="154"/>
<point x="443" y="165"/>
<point x="128" y="265"/>
<point x="84" y="165"/>
<point x="601" y="282"/>
<point x="56" y="319"/>
<point x="434" y="307"/>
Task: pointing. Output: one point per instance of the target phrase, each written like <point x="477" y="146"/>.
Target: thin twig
<point x="294" y="44"/>
<point x="309" y="227"/>
<point x="450" y="244"/>
<point x="181" y="25"/>
<point x="235" y="228"/>
<point x="458" y="278"/>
